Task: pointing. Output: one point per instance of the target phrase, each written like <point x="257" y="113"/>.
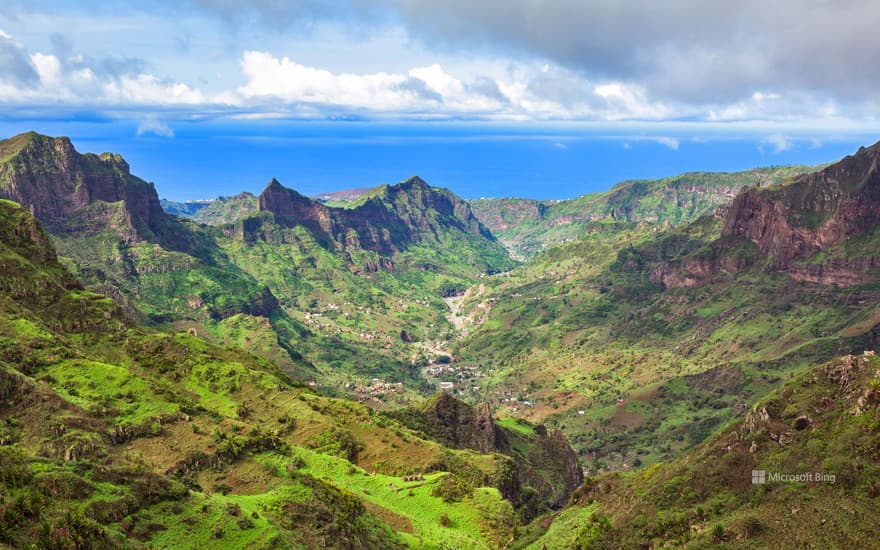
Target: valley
<point x="399" y="367"/>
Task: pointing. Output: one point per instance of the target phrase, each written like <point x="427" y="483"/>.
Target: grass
<point x="412" y="500"/>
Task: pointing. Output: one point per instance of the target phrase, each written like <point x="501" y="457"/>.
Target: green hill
<point x="800" y="469"/>
<point x="113" y="435"/>
<point x="528" y="227"/>
<point x="339" y="304"/>
<point x="639" y="341"/>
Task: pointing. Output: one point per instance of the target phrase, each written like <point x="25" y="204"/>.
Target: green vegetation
<point x="528" y="227"/>
<point x="822" y="425"/>
<point x="166" y="382"/>
<point x="113" y="435"/>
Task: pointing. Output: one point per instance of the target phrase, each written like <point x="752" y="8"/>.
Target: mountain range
<point x="260" y="371"/>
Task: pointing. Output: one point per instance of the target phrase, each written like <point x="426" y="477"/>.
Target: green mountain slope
<point x="369" y="287"/>
<point x="640" y="342"/>
<point x="113" y="435"/>
<point x="528" y="226"/>
<point x="227" y="209"/>
<point x="186" y="209"/>
<point x="822" y="429"/>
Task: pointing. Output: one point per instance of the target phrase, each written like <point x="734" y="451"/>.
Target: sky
<point x="546" y="99"/>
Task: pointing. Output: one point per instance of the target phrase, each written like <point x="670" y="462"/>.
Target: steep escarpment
<point x="55" y="182"/>
<point x="111" y="232"/>
<point x="527" y="226"/>
<point x="813" y="212"/>
<point x="818" y="228"/>
<point x="386" y="221"/>
<point x="545" y="468"/>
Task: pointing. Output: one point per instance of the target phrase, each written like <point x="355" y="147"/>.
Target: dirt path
<point x="455" y="304"/>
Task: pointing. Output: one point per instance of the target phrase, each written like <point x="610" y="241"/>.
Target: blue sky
<point x="544" y="99"/>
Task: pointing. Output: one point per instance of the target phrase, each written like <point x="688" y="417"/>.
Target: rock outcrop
<point x="812" y="213"/>
<point x="791" y="223"/>
<point x="387" y="221"/>
<point x="461" y="426"/>
<point x="51" y="179"/>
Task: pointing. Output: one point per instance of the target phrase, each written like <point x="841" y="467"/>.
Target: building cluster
<point x="376" y="390"/>
<point x="454" y="377"/>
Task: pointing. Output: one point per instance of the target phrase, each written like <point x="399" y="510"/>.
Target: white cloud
<point x="152" y="125"/>
<point x="630" y="101"/>
<point x="147" y="89"/>
<point x="269" y="76"/>
<point x="779" y="143"/>
<point x="482" y="87"/>
<point x="420" y="90"/>
<point x="670" y="142"/>
<point x="48" y="68"/>
<point x="40" y="78"/>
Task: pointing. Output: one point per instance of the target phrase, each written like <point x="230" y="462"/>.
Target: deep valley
<point x="398" y="367"/>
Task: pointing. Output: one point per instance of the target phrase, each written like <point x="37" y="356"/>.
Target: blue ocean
<point x="205" y="159"/>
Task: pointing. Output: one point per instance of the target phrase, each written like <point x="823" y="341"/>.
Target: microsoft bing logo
<point x="759" y="477"/>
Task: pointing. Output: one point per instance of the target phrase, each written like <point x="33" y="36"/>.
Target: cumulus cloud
<point x="591" y="60"/>
<point x="154" y="126"/>
<point x="670" y="142"/>
<point x="778" y="142"/>
<point x="706" y="56"/>
<point x="528" y="92"/>
<point x="64" y="78"/>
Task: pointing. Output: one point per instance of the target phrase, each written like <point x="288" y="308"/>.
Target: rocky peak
<point x="812" y="212"/>
<point x="386" y="222"/>
<point x="460" y="425"/>
<point x="52" y="180"/>
<point x="283" y="201"/>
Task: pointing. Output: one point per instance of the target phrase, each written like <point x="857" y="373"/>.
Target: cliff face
<point x="543" y="461"/>
<point x="460" y="426"/>
<point x="109" y="225"/>
<point x="386" y="222"/>
<point x="692" y="272"/>
<point x="812" y="213"/>
<point x="790" y="224"/>
<point x="52" y="180"/>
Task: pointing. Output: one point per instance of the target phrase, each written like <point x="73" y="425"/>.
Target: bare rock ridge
<point x="55" y="182"/>
<point x="814" y="212"/>
<point x="791" y="223"/>
<point x="387" y="221"/>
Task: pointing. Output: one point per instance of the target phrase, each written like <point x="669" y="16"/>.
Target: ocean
<point x="205" y="159"/>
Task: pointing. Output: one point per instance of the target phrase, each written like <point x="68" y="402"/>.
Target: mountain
<point x="226" y="210"/>
<point x="57" y="183"/>
<point x="528" y="226"/>
<point x="338" y="304"/>
<point x="111" y="232"/>
<point x="818" y="228"/>
<point x="819" y="429"/>
<point x="639" y="340"/>
<point x="186" y="209"/>
<point x="113" y="435"/>
<point x="387" y="220"/>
